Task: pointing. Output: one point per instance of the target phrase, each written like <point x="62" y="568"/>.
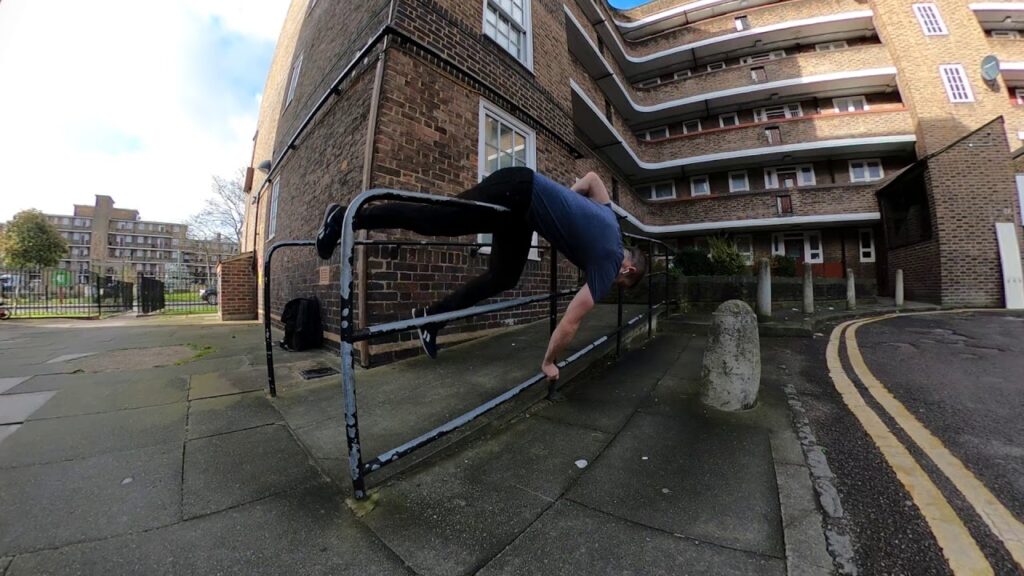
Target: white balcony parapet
<point x="682" y="15"/>
<point x="743" y="41"/>
<point x="1012" y="71"/>
<point x="735" y="157"/>
<point x="747" y="224"/>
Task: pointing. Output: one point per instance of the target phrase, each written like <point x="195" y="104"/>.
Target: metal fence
<point x="62" y="293"/>
<point x="177" y="293"/>
<point x="358" y="467"/>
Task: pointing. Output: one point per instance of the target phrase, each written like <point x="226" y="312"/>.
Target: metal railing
<point x="358" y="470"/>
<point x="63" y="293"/>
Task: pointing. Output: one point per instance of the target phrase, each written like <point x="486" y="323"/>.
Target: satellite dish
<point x="990" y="68"/>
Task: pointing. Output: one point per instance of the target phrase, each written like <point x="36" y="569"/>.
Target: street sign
<point x="61" y="278"/>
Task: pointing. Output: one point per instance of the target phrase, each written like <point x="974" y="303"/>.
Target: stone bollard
<point x="851" y="290"/>
<point x="899" y="288"/>
<point x="808" y="288"/>
<point x="764" y="290"/>
<point x="731" y="374"/>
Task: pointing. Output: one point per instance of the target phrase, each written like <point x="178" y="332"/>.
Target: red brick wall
<point x="922" y="272"/>
<point x="236" y="288"/>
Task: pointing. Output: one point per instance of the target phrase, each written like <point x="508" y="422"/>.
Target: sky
<point x="144" y="101"/>
<point x="623" y="4"/>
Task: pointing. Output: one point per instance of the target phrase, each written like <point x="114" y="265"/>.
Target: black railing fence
<point x="178" y="292"/>
<point x="358" y="468"/>
<point x="63" y="293"/>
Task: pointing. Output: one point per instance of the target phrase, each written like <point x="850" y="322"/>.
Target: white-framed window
<point x="1018" y="93"/>
<point x="812" y="248"/>
<point x="653" y="133"/>
<point x="789" y="244"/>
<point x="763" y="57"/>
<point x="508" y="23"/>
<point x="730" y="119"/>
<point x="658" y="190"/>
<point x="955" y="80"/>
<point x="850" y="104"/>
<point x="716" y="66"/>
<point x="503" y="142"/>
<point x="789" y="176"/>
<point x="830" y="46"/>
<point x="745" y="246"/>
<point x="1013" y="34"/>
<point x="738" y="181"/>
<point x="682" y="74"/>
<point x="293" y="80"/>
<point x="931" y="21"/>
<point x="742" y="23"/>
<point x="778" y="112"/>
<point x="866" y="170"/>
<point x="691" y="126"/>
<point x="275" y="193"/>
<point x="700" y="186"/>
<point x="649" y="82"/>
<point x="866" y="244"/>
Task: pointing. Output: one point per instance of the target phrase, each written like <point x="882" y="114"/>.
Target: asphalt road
<point x="961" y="376"/>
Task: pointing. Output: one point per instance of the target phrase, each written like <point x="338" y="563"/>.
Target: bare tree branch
<point x="223" y="213"/>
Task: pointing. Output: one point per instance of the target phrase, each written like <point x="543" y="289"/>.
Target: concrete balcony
<point x="856" y="70"/>
<point x="999" y="15"/>
<point x="802" y="139"/>
<point x="816" y="21"/>
<point x="814" y="206"/>
<point x="659" y="16"/>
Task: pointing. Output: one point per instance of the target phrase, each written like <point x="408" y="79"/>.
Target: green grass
<point x="204" y="309"/>
<point x="182" y="297"/>
<point x="200" y="351"/>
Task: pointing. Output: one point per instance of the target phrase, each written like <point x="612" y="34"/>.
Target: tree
<point x="224" y="213"/>
<point x="30" y="240"/>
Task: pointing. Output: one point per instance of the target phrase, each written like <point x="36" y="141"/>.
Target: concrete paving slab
<point x="7" y="430"/>
<point x="16" y="408"/>
<point x="706" y="480"/>
<point x="456" y="514"/>
<point x="91" y="498"/>
<point x="4" y="563"/>
<point x="97" y="397"/>
<point x="570" y="539"/>
<point x="213" y="384"/>
<point x="306" y="532"/>
<point x="8" y="383"/>
<point x="56" y="439"/>
<point x="229" y="413"/>
<point x="231" y="469"/>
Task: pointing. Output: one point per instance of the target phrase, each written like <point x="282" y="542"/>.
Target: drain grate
<point x="317" y="373"/>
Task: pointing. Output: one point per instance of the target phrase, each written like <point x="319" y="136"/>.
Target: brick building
<point x="116" y="241"/>
<point x="774" y="123"/>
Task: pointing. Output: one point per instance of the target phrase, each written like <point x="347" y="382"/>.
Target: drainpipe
<point x="361" y="257"/>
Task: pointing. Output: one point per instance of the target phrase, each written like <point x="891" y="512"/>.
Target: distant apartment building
<point x="116" y="241"/>
<point x="863" y="135"/>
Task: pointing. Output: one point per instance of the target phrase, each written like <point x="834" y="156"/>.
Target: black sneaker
<point x="428" y="333"/>
<point x="330" y="231"/>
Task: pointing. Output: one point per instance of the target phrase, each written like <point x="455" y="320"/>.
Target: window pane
<point x="875" y="170"/>
<point x="858" y="171"/>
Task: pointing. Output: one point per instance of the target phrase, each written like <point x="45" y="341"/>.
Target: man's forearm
<point x="560" y="338"/>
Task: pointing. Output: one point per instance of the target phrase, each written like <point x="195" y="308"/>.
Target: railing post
<point x="650" y="290"/>
<point x="267" y="337"/>
<point x="99" y="296"/>
<point x="667" y="293"/>
<point x="553" y="307"/>
<point x="348" y="378"/>
<point x="618" y="332"/>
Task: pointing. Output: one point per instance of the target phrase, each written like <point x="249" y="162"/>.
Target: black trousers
<point x="512" y="232"/>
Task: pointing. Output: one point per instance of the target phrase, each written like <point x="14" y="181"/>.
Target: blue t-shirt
<point x="586" y="232"/>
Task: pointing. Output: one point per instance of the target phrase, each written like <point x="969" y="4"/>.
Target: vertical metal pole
<point x="650" y="290"/>
<point x="348" y="378"/>
<point x="266" y="323"/>
<point x="99" y="296"/>
<point x="553" y="308"/>
<point x="665" y="301"/>
<point x="618" y="333"/>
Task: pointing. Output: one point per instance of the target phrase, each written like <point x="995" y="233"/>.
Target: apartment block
<point x="778" y="124"/>
<point x="116" y="241"/>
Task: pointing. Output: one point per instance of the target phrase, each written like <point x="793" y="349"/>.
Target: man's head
<point x="633" y="267"/>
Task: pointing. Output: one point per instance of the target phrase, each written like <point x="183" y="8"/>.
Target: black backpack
<point x="302" y="327"/>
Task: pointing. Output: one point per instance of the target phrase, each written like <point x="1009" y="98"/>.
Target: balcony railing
<point x="763" y="17"/>
<point x="800" y="130"/>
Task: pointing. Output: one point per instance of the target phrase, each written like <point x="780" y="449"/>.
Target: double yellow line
<point x="960" y="549"/>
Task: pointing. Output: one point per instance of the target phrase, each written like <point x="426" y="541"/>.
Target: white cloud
<point x="143" y="101"/>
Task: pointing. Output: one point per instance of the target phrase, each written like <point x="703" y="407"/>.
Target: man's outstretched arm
<point x="592" y="187"/>
<point x="581" y="304"/>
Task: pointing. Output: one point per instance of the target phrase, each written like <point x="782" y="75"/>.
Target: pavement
<point x="188" y="466"/>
